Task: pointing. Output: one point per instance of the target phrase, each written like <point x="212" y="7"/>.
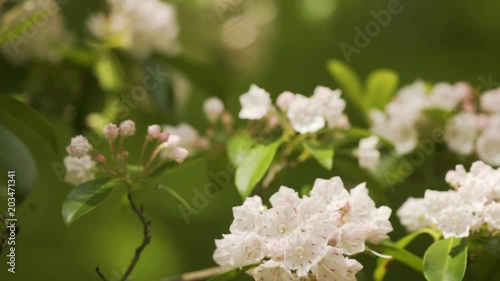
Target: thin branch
<point x="146" y="223"/>
<point x="197" y="275"/>
<point x="100" y="274"/>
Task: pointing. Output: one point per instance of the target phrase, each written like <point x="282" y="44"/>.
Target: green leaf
<point x="438" y="115"/>
<point x="108" y="73"/>
<point x="15" y="156"/>
<point x="30" y="118"/>
<point x="255" y="165"/>
<point x="382" y="264"/>
<point x="389" y="248"/>
<point x="321" y="152"/>
<point x="446" y="260"/>
<point x="352" y="91"/>
<point x="85" y="197"/>
<point x="172" y="192"/>
<point x="381" y="85"/>
<point x="232" y="273"/>
<point x="352" y="136"/>
<point x="237" y="148"/>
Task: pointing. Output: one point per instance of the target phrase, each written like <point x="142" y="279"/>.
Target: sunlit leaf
<point x="321" y="152"/>
<point x="85" y="197"/>
<point x="446" y="260"/>
<point x="380" y="87"/>
<point x="255" y="165"/>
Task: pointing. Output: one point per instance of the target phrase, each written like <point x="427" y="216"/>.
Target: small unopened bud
<point x="164" y="136"/>
<point x="100" y="158"/>
<point x="213" y="108"/>
<point x="273" y="121"/>
<point x="123" y="155"/>
<point x="227" y="119"/>
<point x="179" y="154"/>
<point x="344" y="122"/>
<point x="127" y="128"/>
<point x="154" y="131"/>
<point x="111" y="131"/>
<point x="203" y="143"/>
<point x="284" y="100"/>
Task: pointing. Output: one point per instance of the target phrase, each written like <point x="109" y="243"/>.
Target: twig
<point x="146" y="223"/>
<point x="197" y="275"/>
<point x="100" y="274"/>
<point x="147" y="233"/>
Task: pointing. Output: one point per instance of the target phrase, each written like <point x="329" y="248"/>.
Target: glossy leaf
<point x="351" y="87"/>
<point x="397" y="253"/>
<point x="382" y="264"/>
<point x="15" y="156"/>
<point x="255" y="165"/>
<point x="321" y="152"/>
<point x="85" y="197"/>
<point x="380" y="87"/>
<point x="237" y="148"/>
<point x="30" y="118"/>
<point x="446" y="260"/>
<point x="108" y="73"/>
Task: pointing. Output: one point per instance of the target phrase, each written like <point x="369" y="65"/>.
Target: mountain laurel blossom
<point x="213" y="108"/>
<point x="367" y="153"/>
<point x="255" y="104"/>
<point x="308" y="238"/>
<point x="471" y="207"/>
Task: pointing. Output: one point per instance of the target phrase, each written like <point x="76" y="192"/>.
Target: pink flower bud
<point x="127" y="128"/>
<point x="111" y="131"/>
<point x="101" y="158"/>
<point x="227" y="119"/>
<point x="79" y="146"/>
<point x="203" y="143"/>
<point x="164" y="136"/>
<point x="273" y="121"/>
<point x="179" y="154"/>
<point x="173" y="141"/>
<point x="284" y="100"/>
<point x="154" y="131"/>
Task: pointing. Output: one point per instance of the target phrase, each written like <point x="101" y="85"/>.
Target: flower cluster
<point x="41" y="40"/>
<point x="399" y="122"/>
<point x="472" y="206"/>
<point x="306" y="114"/>
<point x="142" y="27"/>
<point x="81" y="162"/>
<point x="477" y="131"/>
<point x="308" y="238"/>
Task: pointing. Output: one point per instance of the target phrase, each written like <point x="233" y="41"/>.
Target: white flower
<point x="302" y="253"/>
<point x="255" y="103"/>
<point x="141" y="27"/>
<point x="111" y="131"/>
<point x="332" y="192"/>
<point x="334" y="266"/>
<point x="353" y="238"/>
<point x="277" y="223"/>
<point x="79" y="169"/>
<point x="173" y="141"/>
<point x="367" y="153"/>
<point x="491" y="215"/>
<point x="330" y="104"/>
<point x="285" y="196"/>
<point x="461" y="132"/>
<point x="284" y="100"/>
<point x="454" y="221"/>
<point x="305" y="115"/>
<point x="127" y="128"/>
<point x="272" y="271"/>
<point x="154" y="131"/>
<point x="189" y="136"/>
<point x="490" y="101"/>
<point x="456" y="177"/>
<point x="178" y="154"/>
<point x="246" y="214"/>
<point x="488" y="143"/>
<point x="213" y="108"/>
<point x="447" y="96"/>
<point x="399" y="130"/>
<point x="79" y="146"/>
<point x="412" y="214"/>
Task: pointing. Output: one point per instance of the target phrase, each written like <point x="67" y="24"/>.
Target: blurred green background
<point x="434" y="40"/>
